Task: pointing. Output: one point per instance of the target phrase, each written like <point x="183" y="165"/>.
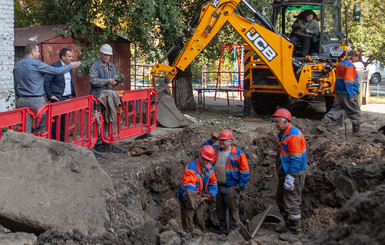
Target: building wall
<point x="6" y="52"/>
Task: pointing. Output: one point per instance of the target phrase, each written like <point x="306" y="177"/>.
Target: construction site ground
<point x="343" y="199"/>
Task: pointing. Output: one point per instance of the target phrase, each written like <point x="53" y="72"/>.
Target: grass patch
<point x="377" y="100"/>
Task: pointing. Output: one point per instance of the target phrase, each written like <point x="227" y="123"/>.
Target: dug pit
<point x="146" y="178"/>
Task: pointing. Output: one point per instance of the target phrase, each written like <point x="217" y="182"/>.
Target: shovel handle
<point x="261" y="221"/>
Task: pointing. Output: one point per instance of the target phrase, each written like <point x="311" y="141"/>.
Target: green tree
<point x="26" y="13"/>
<point x="367" y="35"/>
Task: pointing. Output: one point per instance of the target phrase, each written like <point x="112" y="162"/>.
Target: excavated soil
<point x="342" y="200"/>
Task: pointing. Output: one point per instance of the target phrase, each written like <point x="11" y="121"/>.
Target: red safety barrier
<point x="138" y="116"/>
<point x="81" y="124"/>
<point x="16" y="119"/>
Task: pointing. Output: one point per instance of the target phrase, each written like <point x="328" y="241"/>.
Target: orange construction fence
<point x="83" y="119"/>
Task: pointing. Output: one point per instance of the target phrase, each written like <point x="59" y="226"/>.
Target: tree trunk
<point x="183" y="91"/>
<point x="182" y="87"/>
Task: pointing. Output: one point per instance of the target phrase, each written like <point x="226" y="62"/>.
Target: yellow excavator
<point x="274" y="71"/>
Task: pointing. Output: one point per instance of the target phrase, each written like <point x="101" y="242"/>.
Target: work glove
<point x="190" y="200"/>
<point x="238" y="188"/>
<point x="214" y="138"/>
<point x="289" y="182"/>
<point x="119" y="77"/>
<point x="208" y="197"/>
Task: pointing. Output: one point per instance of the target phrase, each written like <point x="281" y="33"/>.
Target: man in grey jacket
<point x="28" y="76"/>
<point x="103" y="77"/>
<point x="102" y="72"/>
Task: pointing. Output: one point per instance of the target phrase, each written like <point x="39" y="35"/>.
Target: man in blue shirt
<point x="28" y="76"/>
<point x="60" y="88"/>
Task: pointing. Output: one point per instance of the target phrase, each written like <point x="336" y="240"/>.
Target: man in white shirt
<point x="60" y="87"/>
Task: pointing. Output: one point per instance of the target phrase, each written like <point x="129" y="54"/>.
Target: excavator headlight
<point x="336" y="51"/>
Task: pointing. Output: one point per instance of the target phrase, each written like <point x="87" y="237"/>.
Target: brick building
<point x="7" y="52"/>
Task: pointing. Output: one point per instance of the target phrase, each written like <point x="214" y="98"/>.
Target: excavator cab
<point x="327" y="15"/>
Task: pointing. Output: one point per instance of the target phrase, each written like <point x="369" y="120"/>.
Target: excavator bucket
<point x="168" y="114"/>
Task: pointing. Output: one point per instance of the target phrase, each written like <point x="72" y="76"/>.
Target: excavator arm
<point x="275" y="50"/>
<point x="294" y="78"/>
<point x="210" y="21"/>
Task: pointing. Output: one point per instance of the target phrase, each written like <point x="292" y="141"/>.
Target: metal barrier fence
<point x="16" y="119"/>
<point x="82" y="125"/>
<point x="137" y="118"/>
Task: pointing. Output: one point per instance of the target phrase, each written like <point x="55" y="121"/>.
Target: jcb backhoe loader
<point x="272" y="69"/>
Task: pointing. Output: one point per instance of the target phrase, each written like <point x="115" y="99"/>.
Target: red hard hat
<point x="207" y="152"/>
<point x="226" y="135"/>
<point x="283" y="113"/>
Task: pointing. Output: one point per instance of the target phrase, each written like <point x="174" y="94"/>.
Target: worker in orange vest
<point x="198" y="185"/>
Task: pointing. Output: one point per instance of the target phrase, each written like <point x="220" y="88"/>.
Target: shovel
<point x="266" y="218"/>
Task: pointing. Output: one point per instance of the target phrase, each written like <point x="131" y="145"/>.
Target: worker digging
<point x="198" y="185"/>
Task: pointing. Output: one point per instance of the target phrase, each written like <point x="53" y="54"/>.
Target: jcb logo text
<point x="261" y="44"/>
<point x="215" y="3"/>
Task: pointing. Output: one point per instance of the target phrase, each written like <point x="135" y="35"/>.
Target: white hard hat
<point x="106" y="49"/>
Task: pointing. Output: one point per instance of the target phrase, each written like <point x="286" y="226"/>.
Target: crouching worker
<point x="198" y="185"/>
<point x="291" y="168"/>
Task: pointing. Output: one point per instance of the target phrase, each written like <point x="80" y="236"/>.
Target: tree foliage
<point x="26" y="13"/>
<point x="154" y="25"/>
<point x="367" y="35"/>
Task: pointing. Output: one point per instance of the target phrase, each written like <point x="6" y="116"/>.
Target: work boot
<point x="223" y="228"/>
<point x="294" y="225"/>
<point x="281" y="228"/>
<point x="356" y="130"/>
<point x="114" y="148"/>
<point x="323" y="126"/>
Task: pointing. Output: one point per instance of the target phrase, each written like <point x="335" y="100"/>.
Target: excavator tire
<point x="329" y="102"/>
<point x="266" y="104"/>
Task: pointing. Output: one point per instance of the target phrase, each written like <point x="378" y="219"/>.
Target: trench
<point x="147" y="177"/>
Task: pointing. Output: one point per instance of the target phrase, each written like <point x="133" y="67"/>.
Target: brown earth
<point x="339" y="166"/>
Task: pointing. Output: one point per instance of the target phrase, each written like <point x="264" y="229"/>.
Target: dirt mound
<point x="46" y="184"/>
<point x="359" y="221"/>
